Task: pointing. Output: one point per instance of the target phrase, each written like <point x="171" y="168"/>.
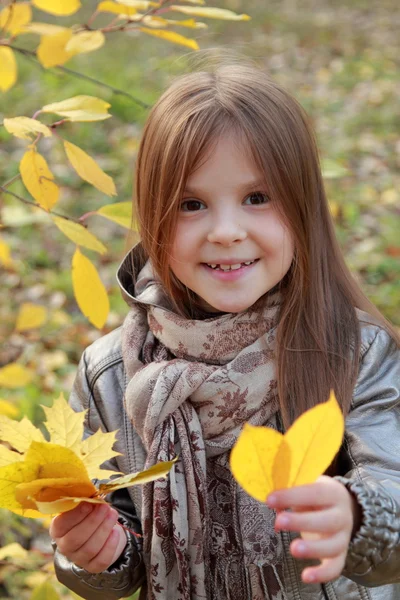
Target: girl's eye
<point x="257" y="198"/>
<point x="191" y="205"/>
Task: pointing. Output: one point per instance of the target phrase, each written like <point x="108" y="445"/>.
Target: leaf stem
<point x="25" y="201"/>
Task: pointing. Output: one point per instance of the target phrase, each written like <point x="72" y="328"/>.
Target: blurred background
<point x="340" y="59"/>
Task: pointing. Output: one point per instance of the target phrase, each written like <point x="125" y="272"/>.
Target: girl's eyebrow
<point x="249" y="185"/>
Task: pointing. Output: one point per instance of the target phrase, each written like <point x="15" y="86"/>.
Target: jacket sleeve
<point x="126" y="575"/>
<point x="372" y="465"/>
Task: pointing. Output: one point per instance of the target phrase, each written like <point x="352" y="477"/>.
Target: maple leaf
<point x="39" y="476"/>
<point x="264" y="460"/>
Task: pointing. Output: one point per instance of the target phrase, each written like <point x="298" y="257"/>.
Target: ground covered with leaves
<point x="341" y="61"/>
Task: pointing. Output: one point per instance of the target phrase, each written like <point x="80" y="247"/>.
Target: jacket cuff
<point x="123" y="577"/>
<point x="378" y="534"/>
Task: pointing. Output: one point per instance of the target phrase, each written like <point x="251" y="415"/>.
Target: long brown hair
<point x="318" y="337"/>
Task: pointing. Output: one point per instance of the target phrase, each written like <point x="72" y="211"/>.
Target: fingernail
<point x="282" y="521"/>
<point x="300" y="547"/>
<point x="310" y="577"/>
<point x="272" y="500"/>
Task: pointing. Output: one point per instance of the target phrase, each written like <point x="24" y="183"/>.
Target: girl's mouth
<point x="230" y="272"/>
<point x="225" y="268"/>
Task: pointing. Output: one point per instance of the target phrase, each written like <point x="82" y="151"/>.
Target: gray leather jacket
<point x="369" y="466"/>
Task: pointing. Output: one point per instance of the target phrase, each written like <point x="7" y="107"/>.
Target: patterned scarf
<point x="192" y="386"/>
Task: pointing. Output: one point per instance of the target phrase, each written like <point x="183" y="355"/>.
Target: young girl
<point x="241" y="309"/>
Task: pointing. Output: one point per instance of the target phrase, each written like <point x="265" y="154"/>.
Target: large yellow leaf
<point x="158" y="470"/>
<point x="11" y="476"/>
<point x="85" y="41"/>
<point x="171" y="36"/>
<point x="14" y="17"/>
<point x="26" y="128"/>
<point x="15" y="375"/>
<point x="264" y="460"/>
<point x="60" y="8"/>
<point x="8" y="71"/>
<point x="51" y="51"/>
<point x="80" y="108"/>
<point x="5" y="254"/>
<point x="95" y="450"/>
<point x="79" y="234"/>
<point x="120" y="212"/>
<point x="30" y="316"/>
<point x="252" y="460"/>
<point x="38" y="179"/>
<point x="313" y="441"/>
<point x="19" y="434"/>
<point x="89" y="170"/>
<point x="64" y="425"/>
<point x="89" y="291"/>
<point x="8" y="457"/>
<point x="115" y="8"/>
<point x="210" y="13"/>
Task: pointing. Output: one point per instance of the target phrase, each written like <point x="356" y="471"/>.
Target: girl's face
<point x="225" y="221"/>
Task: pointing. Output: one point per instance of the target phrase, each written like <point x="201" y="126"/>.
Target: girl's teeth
<point x="229" y="267"/>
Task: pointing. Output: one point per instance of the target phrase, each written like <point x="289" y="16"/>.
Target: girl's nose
<point x="226" y="233"/>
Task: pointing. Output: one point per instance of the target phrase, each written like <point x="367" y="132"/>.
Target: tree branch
<point x="116" y="91"/>
<point x="25" y="201"/>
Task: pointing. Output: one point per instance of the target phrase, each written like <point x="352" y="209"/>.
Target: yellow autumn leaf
<point x="8" y="72"/>
<point x="79" y="234"/>
<point x="156" y="22"/>
<point x="38" y="179"/>
<point x="43" y="28"/>
<point x="156" y="471"/>
<point x="51" y="51"/>
<point x="60" y="8"/>
<point x="26" y="128"/>
<point x="93" y="451"/>
<point x="8" y="409"/>
<point x="119" y="212"/>
<point x="138" y="4"/>
<point x="13" y="551"/>
<point x="191" y="23"/>
<point x="80" y="108"/>
<point x="200" y="2"/>
<point x="89" y="291"/>
<point x="89" y="170"/>
<point x="30" y="316"/>
<point x="5" y="254"/>
<point x="264" y="460"/>
<point x="64" y="425"/>
<point x="171" y="36"/>
<point x="14" y="17"/>
<point x="49" y="477"/>
<point x="85" y="41"/>
<point x="14" y="376"/>
<point x="210" y="13"/>
<point x="115" y="8"/>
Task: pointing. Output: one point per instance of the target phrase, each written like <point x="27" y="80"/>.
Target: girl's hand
<point x="89" y="536"/>
<point x="326" y="515"/>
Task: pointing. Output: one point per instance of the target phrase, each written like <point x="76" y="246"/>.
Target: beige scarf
<point x="192" y="386"/>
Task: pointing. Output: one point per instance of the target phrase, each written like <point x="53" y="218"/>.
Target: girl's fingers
<point x="329" y="569"/>
<point x="323" y="521"/>
<point x="88" y="553"/>
<point x="70" y="542"/>
<point x="325" y="493"/>
<point x="61" y="524"/>
<point x="110" y="551"/>
<point x="329" y="547"/>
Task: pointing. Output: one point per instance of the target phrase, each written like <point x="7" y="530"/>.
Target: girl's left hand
<point x="327" y="511"/>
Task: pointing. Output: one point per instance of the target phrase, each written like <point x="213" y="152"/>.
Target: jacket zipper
<point x="290" y="565"/>
<point x="329" y="591"/>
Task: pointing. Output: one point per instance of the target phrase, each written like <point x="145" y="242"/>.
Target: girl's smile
<point x="231" y="246"/>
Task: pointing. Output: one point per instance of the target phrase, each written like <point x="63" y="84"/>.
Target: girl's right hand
<point x="89" y="536"/>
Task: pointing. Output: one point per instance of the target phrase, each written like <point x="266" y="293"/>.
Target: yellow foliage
<point x="115" y="8"/>
<point x="119" y="212"/>
<point x="5" y="254"/>
<point x="38" y="179"/>
<point x="54" y="476"/>
<point x="171" y="36"/>
<point x="14" y="376"/>
<point x="8" y="73"/>
<point x="15" y="17"/>
<point x="51" y="51"/>
<point x="89" y="170"/>
<point x="30" y="316"/>
<point x="264" y="460"/>
<point x="8" y="409"/>
<point x="79" y="234"/>
<point x="13" y="551"/>
<point x="43" y="28"/>
<point x="89" y="291"/>
<point x="25" y="128"/>
<point x="80" y="108"/>
<point x="210" y="13"/>
<point x="61" y="8"/>
<point x="138" y="4"/>
<point x="85" y="41"/>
